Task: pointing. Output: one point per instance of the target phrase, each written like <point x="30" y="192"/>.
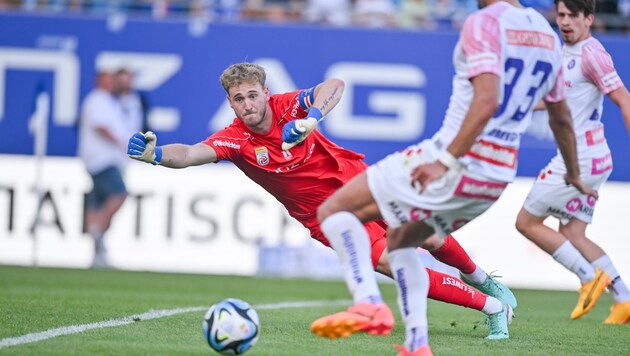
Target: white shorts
<point x="446" y="204"/>
<point x="551" y="196"/>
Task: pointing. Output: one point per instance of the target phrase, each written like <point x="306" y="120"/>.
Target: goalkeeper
<point x="274" y="142"/>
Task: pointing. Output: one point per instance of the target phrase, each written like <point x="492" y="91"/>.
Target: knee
<point x="326" y="209"/>
<point x="523" y="224"/>
<point x="383" y="265"/>
<point x="432" y="243"/>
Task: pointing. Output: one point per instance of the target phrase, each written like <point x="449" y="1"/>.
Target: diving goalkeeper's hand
<point x="296" y="131"/>
<point x="142" y="147"/>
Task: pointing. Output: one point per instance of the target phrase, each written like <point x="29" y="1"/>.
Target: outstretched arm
<point x="143" y="147"/>
<point x="621" y="98"/>
<point x="181" y="156"/>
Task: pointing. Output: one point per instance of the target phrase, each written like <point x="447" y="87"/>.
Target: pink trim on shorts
<point x="478" y="189"/>
<point x="601" y="165"/>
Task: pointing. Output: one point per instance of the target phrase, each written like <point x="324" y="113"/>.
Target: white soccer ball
<point x="231" y="327"/>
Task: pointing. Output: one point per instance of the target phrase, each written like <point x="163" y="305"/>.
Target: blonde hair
<point x="240" y="73"/>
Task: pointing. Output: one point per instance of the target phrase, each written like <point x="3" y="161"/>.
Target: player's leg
<point x="448" y="289"/>
<point x="450" y="252"/>
<point x="575" y="231"/>
<point x="564" y="252"/>
<point x="412" y="281"/>
<point x="111" y="193"/>
<point x="341" y="217"/>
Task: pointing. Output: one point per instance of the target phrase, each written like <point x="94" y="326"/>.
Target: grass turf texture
<point x="34" y="300"/>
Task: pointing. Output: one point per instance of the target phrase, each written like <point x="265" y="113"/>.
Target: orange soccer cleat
<point x="422" y="351"/>
<point x="619" y="313"/>
<point x="590" y="293"/>
<point x="375" y="319"/>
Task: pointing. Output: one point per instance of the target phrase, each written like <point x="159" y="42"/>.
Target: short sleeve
<point x="225" y="144"/>
<point x="480" y="43"/>
<point x="598" y="67"/>
<point x="557" y="92"/>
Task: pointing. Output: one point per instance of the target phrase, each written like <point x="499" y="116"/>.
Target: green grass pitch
<point x="35" y="300"/>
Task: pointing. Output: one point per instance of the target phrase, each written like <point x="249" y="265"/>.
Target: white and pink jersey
<point x="589" y="74"/>
<point x="519" y="46"/>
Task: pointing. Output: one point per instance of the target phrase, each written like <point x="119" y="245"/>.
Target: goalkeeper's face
<point x="249" y="102"/>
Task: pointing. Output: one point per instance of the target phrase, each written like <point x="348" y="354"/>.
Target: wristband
<point x="315" y="113"/>
<point x="158" y="155"/>
<point x="449" y="161"/>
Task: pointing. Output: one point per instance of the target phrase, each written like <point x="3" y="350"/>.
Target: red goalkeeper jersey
<point x="301" y="178"/>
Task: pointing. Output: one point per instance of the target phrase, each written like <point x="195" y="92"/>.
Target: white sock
<point x="478" y="276"/>
<point x="97" y="235"/>
<point x="492" y="306"/>
<point x="412" y="282"/>
<point x="350" y="240"/>
<point x="617" y="288"/>
<point x="568" y="256"/>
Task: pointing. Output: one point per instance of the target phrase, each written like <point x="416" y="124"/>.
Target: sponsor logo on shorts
<point x="397" y="211"/>
<point x="494" y="154"/>
<point x="476" y="189"/>
<point x="262" y="155"/>
<point x="218" y="143"/>
<point x="602" y="164"/>
<point x="442" y="224"/>
<point x="417" y="214"/>
<point x="559" y="213"/>
<point x="595" y="136"/>
<point x="574" y="205"/>
<point x="590" y="200"/>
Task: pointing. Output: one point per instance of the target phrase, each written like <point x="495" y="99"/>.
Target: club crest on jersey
<point x="262" y="155"/>
<point x="571" y="64"/>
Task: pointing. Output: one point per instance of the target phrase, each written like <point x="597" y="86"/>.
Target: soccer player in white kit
<point x="589" y="74"/>
<point x="507" y="59"/>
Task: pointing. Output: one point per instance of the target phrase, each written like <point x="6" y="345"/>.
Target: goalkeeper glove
<point x="294" y="132"/>
<point x="297" y="130"/>
<point x="142" y="147"/>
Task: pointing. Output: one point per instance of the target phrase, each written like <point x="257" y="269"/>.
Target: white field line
<point x="152" y="314"/>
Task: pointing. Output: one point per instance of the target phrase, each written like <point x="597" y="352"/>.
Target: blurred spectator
<point x="201" y="10"/>
<point x="606" y="13"/>
<point x="228" y="10"/>
<point x="545" y="7"/>
<point x="133" y="103"/>
<point x="415" y="14"/>
<point x="103" y="132"/>
<point x="443" y="14"/>
<point x="328" y="12"/>
<point x="374" y="13"/>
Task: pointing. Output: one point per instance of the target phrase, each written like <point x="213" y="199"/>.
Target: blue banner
<point x="398" y="82"/>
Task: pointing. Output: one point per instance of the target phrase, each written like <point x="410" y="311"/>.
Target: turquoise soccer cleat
<point x="494" y="288"/>
<point x="498" y="323"/>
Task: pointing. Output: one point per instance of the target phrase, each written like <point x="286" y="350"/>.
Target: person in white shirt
<point x="103" y="132"/>
<point x="507" y="59"/>
<point x="589" y="74"/>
